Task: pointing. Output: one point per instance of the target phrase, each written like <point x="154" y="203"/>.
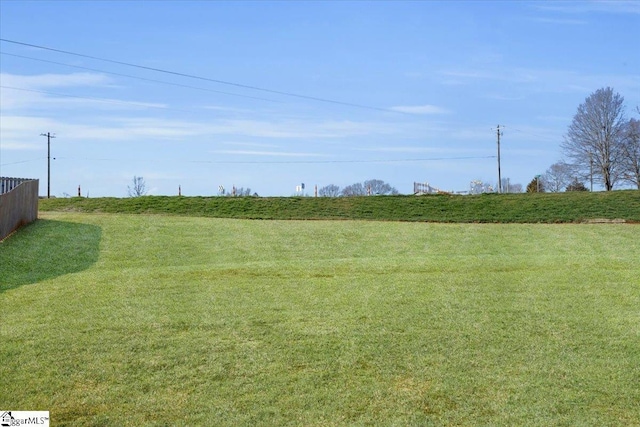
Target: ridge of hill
<point x="571" y="207"/>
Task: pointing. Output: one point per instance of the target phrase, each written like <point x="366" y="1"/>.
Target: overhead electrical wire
<point x="278" y="162"/>
<point x="208" y="79"/>
<point x="345" y="161"/>
<point x="180" y="74"/>
<point x="138" y="78"/>
<point x="531" y="133"/>
<point x="23" y="161"/>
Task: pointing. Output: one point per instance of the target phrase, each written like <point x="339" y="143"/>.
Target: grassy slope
<point x="517" y="208"/>
<point x="159" y="320"/>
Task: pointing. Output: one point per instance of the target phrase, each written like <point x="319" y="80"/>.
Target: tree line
<point x="371" y="187"/>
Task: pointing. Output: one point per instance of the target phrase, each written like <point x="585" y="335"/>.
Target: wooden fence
<point x="18" y="203"/>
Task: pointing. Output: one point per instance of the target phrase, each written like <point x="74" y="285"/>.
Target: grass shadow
<point x="46" y="249"/>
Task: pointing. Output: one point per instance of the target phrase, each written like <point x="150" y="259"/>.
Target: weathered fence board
<point x="18" y="203"/>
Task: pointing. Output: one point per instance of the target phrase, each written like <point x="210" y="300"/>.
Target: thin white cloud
<point x="19" y="146"/>
<point x="266" y="153"/>
<point x="563" y="119"/>
<point x="12" y="125"/>
<point x="501" y="97"/>
<point x="125" y="129"/>
<point x="44" y="91"/>
<point x="21" y="132"/>
<point x="543" y="80"/>
<point x="22" y="129"/>
<point x="420" y="109"/>
<point x="45" y="99"/>
<point x="473" y="134"/>
<point x="47" y="81"/>
<point x="418" y="149"/>
<point x="247" y="144"/>
<point x="134" y="129"/>
<point x="399" y="149"/>
<point x="515" y="75"/>
<point x="298" y="128"/>
<point x="597" y="6"/>
<point x="561" y="21"/>
<point x="227" y="109"/>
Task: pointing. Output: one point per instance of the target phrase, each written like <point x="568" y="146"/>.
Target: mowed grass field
<point x="113" y="319"/>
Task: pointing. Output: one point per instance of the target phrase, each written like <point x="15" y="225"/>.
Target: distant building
<point x="424" y="188"/>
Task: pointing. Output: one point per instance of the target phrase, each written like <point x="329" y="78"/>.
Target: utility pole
<point x="49" y="136"/>
<point x="499" y="174"/>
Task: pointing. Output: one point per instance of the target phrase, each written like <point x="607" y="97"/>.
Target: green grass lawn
<point x="163" y="320"/>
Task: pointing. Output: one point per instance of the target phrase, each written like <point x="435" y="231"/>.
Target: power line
<point x="277" y="162"/>
<point x="342" y="161"/>
<point x="192" y="76"/>
<point x="138" y="78"/>
<point x="22" y="161"/>
<point x="530" y="133"/>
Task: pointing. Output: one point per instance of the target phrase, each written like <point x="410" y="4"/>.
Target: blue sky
<point x="428" y="82"/>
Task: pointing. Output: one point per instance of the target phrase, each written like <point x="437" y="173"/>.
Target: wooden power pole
<point x="49" y="136"/>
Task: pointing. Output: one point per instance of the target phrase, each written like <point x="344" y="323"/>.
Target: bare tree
<point x="138" y="187"/>
<point x="239" y="192"/>
<point x="631" y="153"/>
<point x="509" y="187"/>
<point x="356" y="189"/>
<point x="330" y="190"/>
<point x="378" y="187"/>
<point x="557" y="177"/>
<point x="595" y="137"/>
<point x="515" y="188"/>
<point x="370" y="187"/>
